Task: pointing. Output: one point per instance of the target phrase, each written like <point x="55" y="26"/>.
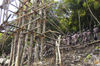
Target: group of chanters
<point x="82" y="37"/>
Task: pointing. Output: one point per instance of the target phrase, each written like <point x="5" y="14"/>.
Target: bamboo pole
<point x="17" y="62"/>
<point x="20" y="44"/>
<point x="16" y="36"/>
<point x="58" y="55"/>
<point x="23" y="44"/>
<point x="20" y="47"/>
<point x="26" y="45"/>
<point x="14" y="48"/>
<point x="28" y="26"/>
<point x="30" y="45"/>
<point x="36" y="56"/>
<point x="11" y="53"/>
<point x="30" y="50"/>
<point x="43" y="31"/>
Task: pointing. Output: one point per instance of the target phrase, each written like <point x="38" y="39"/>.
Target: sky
<point x="57" y="0"/>
<point x="11" y="8"/>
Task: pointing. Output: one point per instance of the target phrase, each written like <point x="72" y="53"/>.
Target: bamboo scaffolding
<point x="25" y="27"/>
<point x="29" y="26"/>
<point x="34" y="11"/>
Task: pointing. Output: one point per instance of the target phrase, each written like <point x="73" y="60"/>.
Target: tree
<point x="74" y="15"/>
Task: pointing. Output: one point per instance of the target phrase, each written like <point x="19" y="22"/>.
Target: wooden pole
<point x="36" y="56"/>
<point x="43" y="31"/>
<point x="11" y="53"/>
<point x="58" y="55"/>
<point x="20" y="45"/>
<point x="30" y="50"/>
<point x="17" y="62"/>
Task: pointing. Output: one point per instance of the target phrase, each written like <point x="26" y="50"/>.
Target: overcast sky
<point x="11" y="8"/>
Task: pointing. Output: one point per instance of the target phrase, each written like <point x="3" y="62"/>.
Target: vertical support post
<point x="58" y="55"/>
<point x="37" y="53"/>
<point x="43" y="31"/>
<point x="30" y="50"/>
<point x="20" y="46"/>
<point x="17" y="62"/>
<point x="11" y="53"/>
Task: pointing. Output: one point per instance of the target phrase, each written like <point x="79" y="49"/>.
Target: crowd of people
<point x="82" y="37"/>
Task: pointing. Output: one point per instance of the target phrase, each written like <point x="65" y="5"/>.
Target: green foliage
<point x="85" y="16"/>
<point x="1" y="38"/>
<point x="68" y="12"/>
<point x="97" y="47"/>
<point x="87" y="57"/>
<point x="84" y="4"/>
<point x="5" y="43"/>
<point x="82" y="12"/>
<point x="96" y="5"/>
